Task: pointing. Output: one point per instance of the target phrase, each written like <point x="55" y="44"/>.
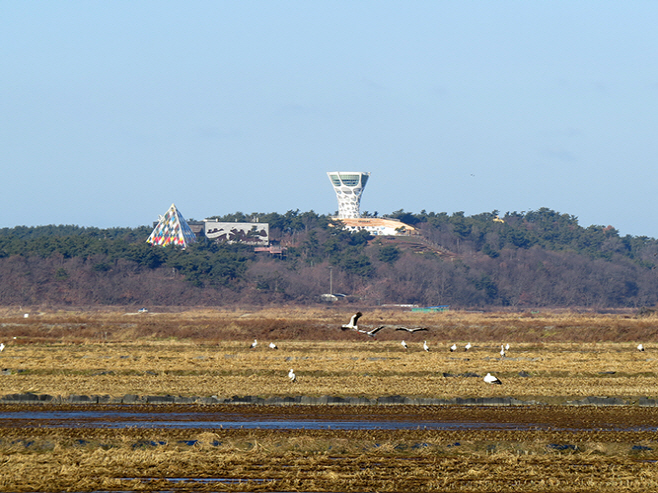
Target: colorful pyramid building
<point x="172" y="229"/>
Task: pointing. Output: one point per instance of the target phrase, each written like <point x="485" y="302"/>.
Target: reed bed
<point x="321" y="324"/>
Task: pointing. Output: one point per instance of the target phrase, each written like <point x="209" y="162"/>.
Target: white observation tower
<point x="348" y="186"/>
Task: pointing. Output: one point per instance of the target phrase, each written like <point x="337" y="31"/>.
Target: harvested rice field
<point x="553" y="440"/>
<point x="554" y="449"/>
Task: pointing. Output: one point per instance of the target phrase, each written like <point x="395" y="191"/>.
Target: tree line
<point x="537" y="258"/>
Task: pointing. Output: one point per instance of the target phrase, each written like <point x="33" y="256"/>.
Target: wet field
<point x="328" y="448"/>
<point x="517" y="418"/>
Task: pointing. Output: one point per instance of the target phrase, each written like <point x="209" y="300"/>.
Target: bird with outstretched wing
<point x="412" y="329"/>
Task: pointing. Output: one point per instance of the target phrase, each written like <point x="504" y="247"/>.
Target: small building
<point x="378" y="226"/>
<point x="249" y="233"/>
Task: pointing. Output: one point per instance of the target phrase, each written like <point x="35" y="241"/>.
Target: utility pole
<point x="331" y="280"/>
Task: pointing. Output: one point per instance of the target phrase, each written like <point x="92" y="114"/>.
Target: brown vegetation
<point x="203" y="353"/>
<point x="320" y="323"/>
<point x="557" y="456"/>
<point x="554" y="357"/>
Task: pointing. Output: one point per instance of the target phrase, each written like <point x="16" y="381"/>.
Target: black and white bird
<point x="453" y="348"/>
<point x="292" y="376"/>
<point x="640" y="347"/>
<point x="468" y="346"/>
<point x="412" y="329"/>
<point x="404" y="345"/>
<point x="502" y="351"/>
<point x="352" y="324"/>
<point x="371" y="333"/>
<point x="426" y="347"/>
<point x="491" y="380"/>
<point x="273" y="346"/>
<point x="254" y="344"/>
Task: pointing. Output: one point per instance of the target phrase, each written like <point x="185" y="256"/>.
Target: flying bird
<point x="453" y="348"/>
<point x="352" y="324"/>
<point x="371" y="333"/>
<point x="254" y="344"/>
<point x="404" y="345"/>
<point x="412" y="330"/>
<point x="467" y="347"/>
<point x="640" y="347"/>
<point x="292" y="376"/>
<point x="273" y="346"/>
<point x="425" y="346"/>
<point x="491" y="380"/>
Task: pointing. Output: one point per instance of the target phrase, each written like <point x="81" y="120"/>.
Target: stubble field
<point x="554" y="359"/>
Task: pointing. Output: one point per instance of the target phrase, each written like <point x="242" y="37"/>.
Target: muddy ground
<point x="546" y="448"/>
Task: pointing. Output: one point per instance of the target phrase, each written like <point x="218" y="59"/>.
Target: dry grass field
<point x="205" y="353"/>
<point x="553" y="358"/>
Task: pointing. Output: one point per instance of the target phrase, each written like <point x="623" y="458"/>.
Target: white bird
<point x="273" y="346"/>
<point x="502" y="351"/>
<point x="292" y="376"/>
<point x="453" y="348"/>
<point x="404" y="345"/>
<point x="640" y="347"/>
<point x="2" y="346"/>
<point x="254" y="344"/>
<point x="425" y="346"/>
<point x="26" y="315"/>
<point x="507" y="347"/>
<point x="371" y="333"/>
<point x="467" y="347"/>
<point x="412" y="330"/>
<point x="352" y="324"/>
<point x="491" y="380"/>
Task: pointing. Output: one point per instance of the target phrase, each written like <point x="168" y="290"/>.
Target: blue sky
<point x="111" y="111"/>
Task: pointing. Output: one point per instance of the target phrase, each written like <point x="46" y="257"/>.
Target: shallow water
<point x="200" y="420"/>
<point x="124" y="418"/>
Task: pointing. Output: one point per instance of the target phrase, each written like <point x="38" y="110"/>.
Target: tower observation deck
<point x="348" y="186"/>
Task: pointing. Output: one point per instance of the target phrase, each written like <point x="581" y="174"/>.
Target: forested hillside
<point x="530" y="259"/>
